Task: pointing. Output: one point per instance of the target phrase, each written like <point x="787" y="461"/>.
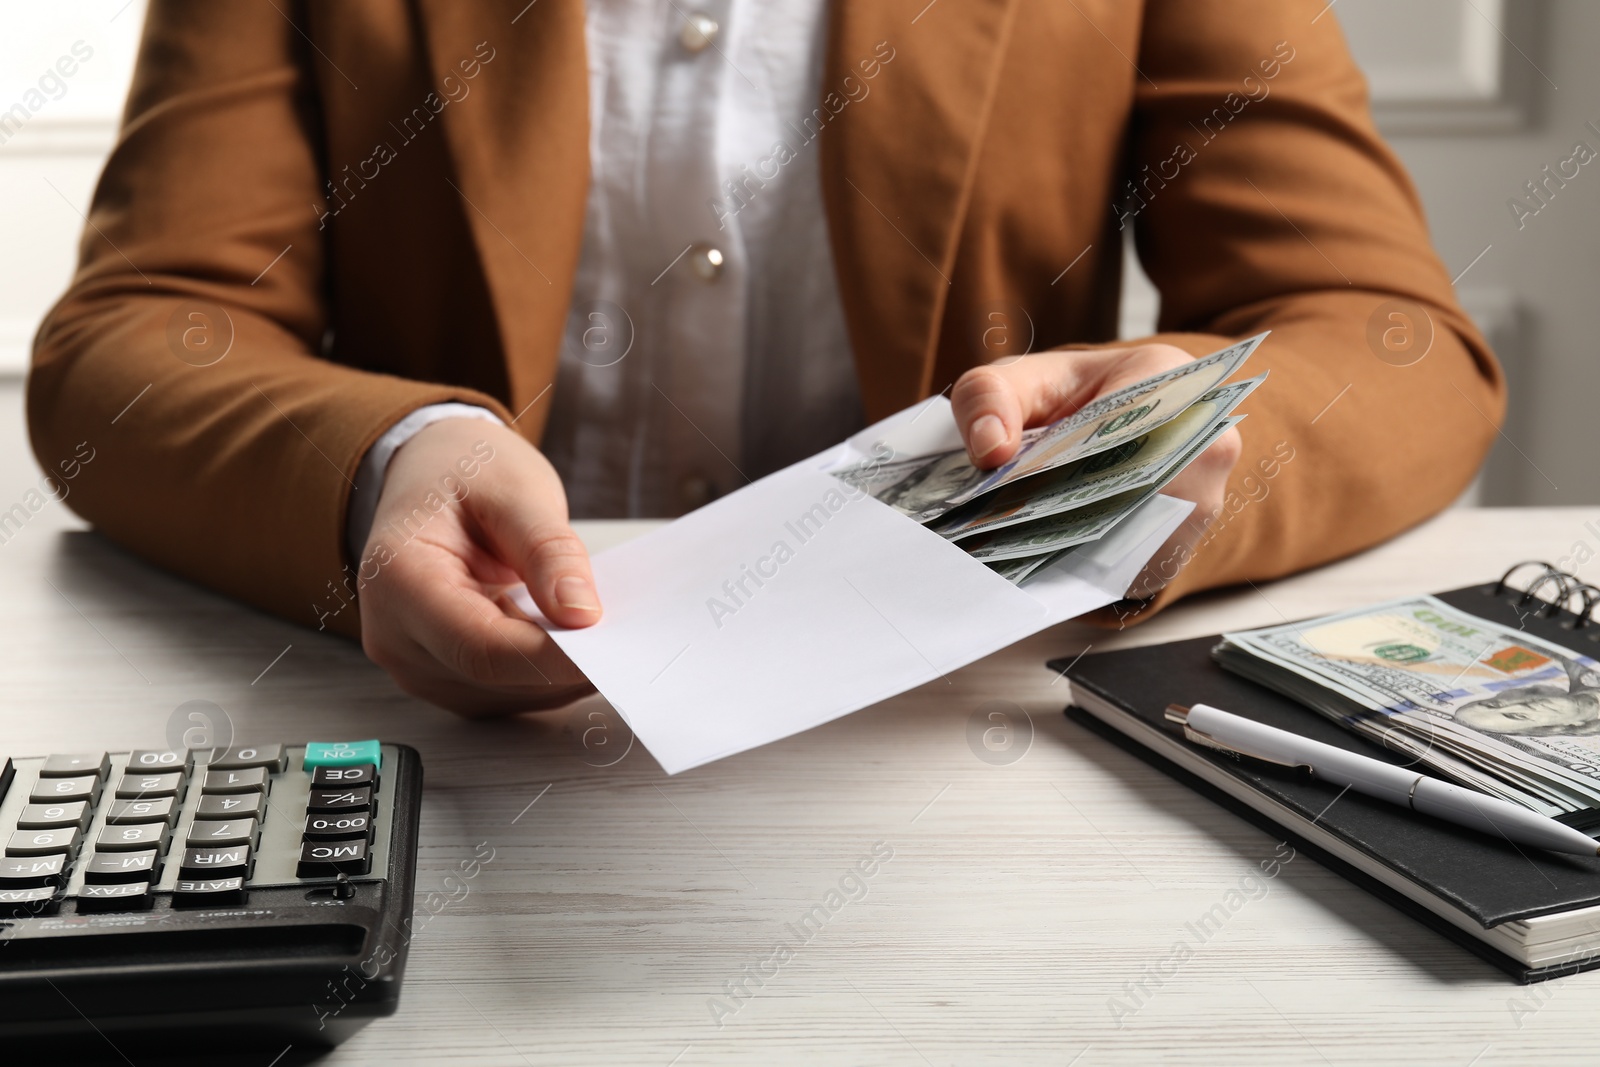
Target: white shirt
<point x="680" y="379"/>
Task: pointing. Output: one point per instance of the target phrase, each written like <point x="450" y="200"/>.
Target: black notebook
<point x="1535" y="914"/>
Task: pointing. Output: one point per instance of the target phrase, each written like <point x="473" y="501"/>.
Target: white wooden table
<point x="1021" y="900"/>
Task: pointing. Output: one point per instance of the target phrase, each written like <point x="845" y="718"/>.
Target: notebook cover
<point x="1489" y="880"/>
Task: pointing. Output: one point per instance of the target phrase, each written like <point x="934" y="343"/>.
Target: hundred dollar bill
<point x="928" y="486"/>
<point x="1448" y="686"/>
<point x="1434" y="743"/>
<point x="1387" y="715"/>
<point x="1117" y="417"/>
<point x="920" y="487"/>
<point x="1017" y="570"/>
<point x="1131" y="465"/>
<point x="1091" y="522"/>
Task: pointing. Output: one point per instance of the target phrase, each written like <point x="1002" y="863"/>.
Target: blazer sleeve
<point x="185" y="351"/>
<point x="1262" y="197"/>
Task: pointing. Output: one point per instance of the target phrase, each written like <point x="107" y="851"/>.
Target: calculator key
<point x="320" y="859"/>
<point x="357" y="798"/>
<point x="124" y="897"/>
<point x="344" y="777"/>
<point x="231" y="806"/>
<point x="199" y="892"/>
<point x="8" y="773"/>
<point x="18" y="903"/>
<point x="247" y="780"/>
<point x="48" y="816"/>
<point x="73" y="765"/>
<point x="106" y="867"/>
<point x="336" y="826"/>
<point x="342" y="753"/>
<point x="86" y="787"/>
<point x="216" y="862"/>
<point x="132" y="838"/>
<point x="123" y="812"/>
<point x="20" y="872"/>
<point x="231" y="832"/>
<point x="159" y="759"/>
<point x="272" y="757"/>
<point x="138" y="786"/>
<point x="42" y="842"/>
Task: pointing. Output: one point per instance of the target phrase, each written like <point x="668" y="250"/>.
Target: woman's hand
<point x="468" y="511"/>
<point x="995" y="403"/>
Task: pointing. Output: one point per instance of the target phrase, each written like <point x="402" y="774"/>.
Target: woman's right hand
<point x="468" y="511"/>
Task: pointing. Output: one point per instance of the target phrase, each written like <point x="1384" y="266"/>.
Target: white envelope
<point x="797" y="599"/>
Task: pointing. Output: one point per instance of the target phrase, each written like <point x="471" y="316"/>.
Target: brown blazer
<point x="995" y="149"/>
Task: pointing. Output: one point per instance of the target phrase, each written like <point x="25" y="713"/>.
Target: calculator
<point x="204" y="902"/>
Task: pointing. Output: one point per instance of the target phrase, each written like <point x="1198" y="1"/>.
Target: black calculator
<point x="204" y="902"/>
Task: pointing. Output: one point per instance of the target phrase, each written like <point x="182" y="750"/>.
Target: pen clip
<point x="1210" y="742"/>
<point x="1179" y="713"/>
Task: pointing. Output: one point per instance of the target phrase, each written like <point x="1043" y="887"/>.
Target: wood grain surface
<point x="903" y="888"/>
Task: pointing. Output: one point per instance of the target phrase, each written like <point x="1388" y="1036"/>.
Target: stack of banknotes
<point x="1073" y="480"/>
<point x="1493" y="708"/>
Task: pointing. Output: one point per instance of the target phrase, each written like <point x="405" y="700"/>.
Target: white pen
<point x="1224" y="730"/>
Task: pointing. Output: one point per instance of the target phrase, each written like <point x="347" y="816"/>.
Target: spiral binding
<point x="1567" y="586"/>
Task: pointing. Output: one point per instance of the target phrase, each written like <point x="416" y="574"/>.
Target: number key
<point x="123" y="812"/>
<point x="271" y="757"/>
<point x="231" y="806"/>
<point x="247" y="780"/>
<point x="159" y="759"/>
<point x="46" y="790"/>
<point x="50" y="816"/>
<point x="42" y="842"/>
<point x="128" y="838"/>
<point x="136" y="786"/>
<point x="335" y="826"/>
<point x="231" y="832"/>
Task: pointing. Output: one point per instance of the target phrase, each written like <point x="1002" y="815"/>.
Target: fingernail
<point x="576" y="594"/>
<point x="986" y="434"/>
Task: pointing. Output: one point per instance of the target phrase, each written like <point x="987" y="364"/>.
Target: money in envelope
<point x="811" y="593"/>
<point x="1075" y="479"/>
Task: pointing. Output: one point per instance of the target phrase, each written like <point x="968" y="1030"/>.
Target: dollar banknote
<point x="920" y="487"/>
<point x="1117" y="417"/>
<point x="1090" y="522"/>
<point x="1020" y="569"/>
<point x="1134" y="464"/>
<point x="927" y="487"/>
<point x="1495" y="708"/>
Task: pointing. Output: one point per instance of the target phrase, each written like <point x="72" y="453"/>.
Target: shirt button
<point x="706" y="262"/>
<point x="695" y="492"/>
<point x="699" y="30"/>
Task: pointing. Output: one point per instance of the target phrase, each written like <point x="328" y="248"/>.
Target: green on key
<point x="342" y="753"/>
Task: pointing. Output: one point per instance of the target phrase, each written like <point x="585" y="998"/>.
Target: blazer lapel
<point x="519" y="144"/>
<point x="897" y="166"/>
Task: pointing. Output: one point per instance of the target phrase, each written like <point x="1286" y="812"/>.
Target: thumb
<point x="526" y="528"/>
<point x="992" y="404"/>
